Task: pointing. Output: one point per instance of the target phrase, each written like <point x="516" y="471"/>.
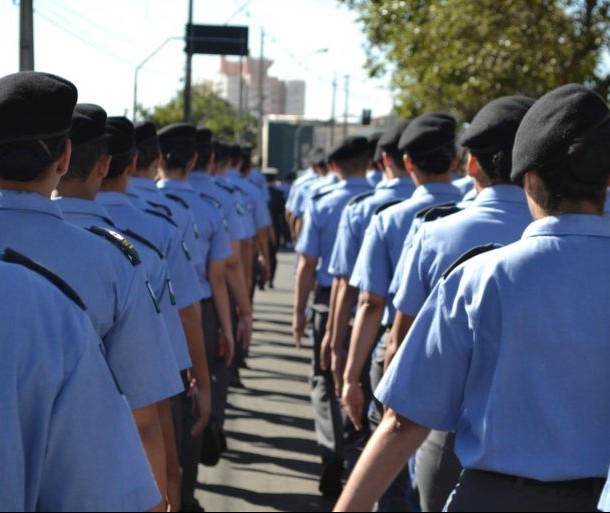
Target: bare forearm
<point x="191" y="323"/>
<point x="262" y="240"/>
<point x="400" y="329"/>
<point x="364" y="334"/>
<point x="220" y="294"/>
<point x="344" y="301"/>
<point x="386" y="453"/>
<point x="236" y="282"/>
<point x="151" y="435"/>
<point x="332" y="304"/>
<point x="164" y="411"/>
<point x="246" y="261"/>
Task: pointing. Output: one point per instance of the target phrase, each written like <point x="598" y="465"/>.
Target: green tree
<point x="210" y="110"/>
<point x="457" y="55"/>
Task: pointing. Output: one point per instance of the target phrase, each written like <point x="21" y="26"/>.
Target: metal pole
<point x="332" y="112"/>
<point x="261" y="95"/>
<point x="26" y="35"/>
<point x="188" y="78"/>
<point x="241" y="97"/>
<point x="346" y="115"/>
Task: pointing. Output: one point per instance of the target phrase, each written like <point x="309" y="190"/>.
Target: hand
<point x="338" y="359"/>
<point x="325" y="352"/>
<point x="244" y="331"/>
<point x="173" y="492"/>
<point x="263" y="270"/>
<point x="352" y="399"/>
<point x="227" y="347"/>
<point x="201" y="407"/>
<point x="299" y="323"/>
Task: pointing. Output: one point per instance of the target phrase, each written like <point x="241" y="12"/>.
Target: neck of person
<point x="77" y="189"/>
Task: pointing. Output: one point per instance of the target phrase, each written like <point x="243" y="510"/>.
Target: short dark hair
<point x="246" y="163"/>
<point x="204" y="157"/>
<point x="396" y="157"/>
<point x="178" y="157"/>
<point x="84" y="158"/>
<point x="355" y="164"/>
<point x="582" y="174"/>
<point x="436" y="163"/>
<point x="496" y="166"/>
<point x="148" y="152"/>
<point x="119" y="164"/>
<point x="27" y="161"/>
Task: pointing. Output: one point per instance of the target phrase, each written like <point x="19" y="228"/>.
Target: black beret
<point x="35" y="105"/>
<point x="556" y="120"/>
<point x="221" y="150"/>
<point x="88" y="124"/>
<point x="121" y="136"/>
<point x="427" y="134"/>
<point x="177" y="135"/>
<point x="349" y="148"/>
<point x="495" y="125"/>
<point x="316" y="157"/>
<point x="145" y="131"/>
<point x="391" y="137"/>
<point x="203" y="136"/>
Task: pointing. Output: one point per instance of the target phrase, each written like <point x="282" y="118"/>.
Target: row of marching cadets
<point x="458" y="336"/>
<point x="126" y="253"/>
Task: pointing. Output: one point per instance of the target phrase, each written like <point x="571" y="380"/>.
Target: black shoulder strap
<point x="211" y="199"/>
<point x="440" y="212"/>
<point x="359" y="197"/>
<point x="385" y="206"/>
<point x="136" y="236"/>
<point x="225" y="187"/>
<point x="166" y="210"/>
<point x="479" y="250"/>
<point x="178" y="200"/>
<point x="126" y="247"/>
<point x="321" y="194"/>
<point x="422" y="213"/>
<point x="162" y="216"/>
<point x="13" y="257"/>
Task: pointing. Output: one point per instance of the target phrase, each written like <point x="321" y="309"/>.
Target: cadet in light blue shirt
<point x="350" y="159"/>
<point x="498" y="215"/>
<point x="54" y="460"/>
<point x="516" y="338"/>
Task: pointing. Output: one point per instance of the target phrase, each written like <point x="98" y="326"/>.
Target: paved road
<point x="272" y="463"/>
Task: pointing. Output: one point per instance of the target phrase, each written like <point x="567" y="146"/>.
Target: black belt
<point x="590" y="483"/>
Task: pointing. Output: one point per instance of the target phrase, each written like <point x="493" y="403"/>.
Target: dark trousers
<point x="488" y="491"/>
<point x="273" y="249"/>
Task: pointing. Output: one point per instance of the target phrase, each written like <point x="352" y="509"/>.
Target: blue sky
<point x="99" y="44"/>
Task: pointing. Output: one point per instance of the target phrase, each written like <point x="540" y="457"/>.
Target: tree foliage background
<point x="457" y="55"/>
<point x="210" y="110"/>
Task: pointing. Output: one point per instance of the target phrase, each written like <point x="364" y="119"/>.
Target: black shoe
<point x="236" y="382"/>
<point x="193" y="506"/>
<point x="331" y="484"/>
<point x="244" y="365"/>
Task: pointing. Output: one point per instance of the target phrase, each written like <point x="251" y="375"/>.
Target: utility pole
<point x="332" y="112"/>
<point x="26" y="35"/>
<point x="346" y="115"/>
<point x="188" y="115"/>
<point x="261" y="93"/>
<point x="238" y="135"/>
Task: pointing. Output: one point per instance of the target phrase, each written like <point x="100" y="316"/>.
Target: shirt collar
<point x="113" y="198"/>
<point x="28" y="201"/>
<point x="137" y="183"/>
<point x="570" y="224"/>
<point x="182" y="185"/>
<point x="504" y="193"/>
<point x="83" y="206"/>
<point x="435" y="188"/>
<point x="355" y="182"/>
<point x="394" y="183"/>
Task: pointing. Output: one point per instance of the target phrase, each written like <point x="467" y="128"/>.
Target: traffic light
<point x="366" y="116"/>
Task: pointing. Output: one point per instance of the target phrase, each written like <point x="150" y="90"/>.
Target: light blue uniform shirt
<point x="356" y="218"/>
<point x="375" y="177"/>
<point x="385" y="236"/>
<point x="517" y="342"/>
<point x="206" y="185"/>
<point x="498" y="215"/>
<point x="604" y="501"/>
<point x="464" y="183"/>
<point x="67" y="438"/>
<point x="118" y="302"/>
<point x="310" y="189"/>
<point x="146" y="190"/>
<point x="322" y="222"/>
<point x="164" y="236"/>
<point x="213" y="230"/>
<point x="244" y="206"/>
<point x="260" y="209"/>
<point x="86" y="214"/>
<point x="259" y="180"/>
<point x="306" y="176"/>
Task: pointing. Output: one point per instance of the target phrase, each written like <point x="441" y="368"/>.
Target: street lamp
<point x="139" y="66"/>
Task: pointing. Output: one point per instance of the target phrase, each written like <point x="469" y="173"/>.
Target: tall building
<point x="279" y="97"/>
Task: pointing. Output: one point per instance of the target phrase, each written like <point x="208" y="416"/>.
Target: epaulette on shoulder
<point x="226" y="187"/>
<point x="162" y="216"/>
<point x="13" y="257"/>
<point x="178" y="200"/>
<point x="136" y="236"/>
<point x="321" y="194"/>
<point x="422" y="213"/>
<point x="439" y="212"/>
<point x="211" y="199"/>
<point x="385" y="206"/>
<point x="478" y="250"/>
<point x="359" y="197"/>
<point x="166" y="210"/>
<point x="126" y="247"/>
